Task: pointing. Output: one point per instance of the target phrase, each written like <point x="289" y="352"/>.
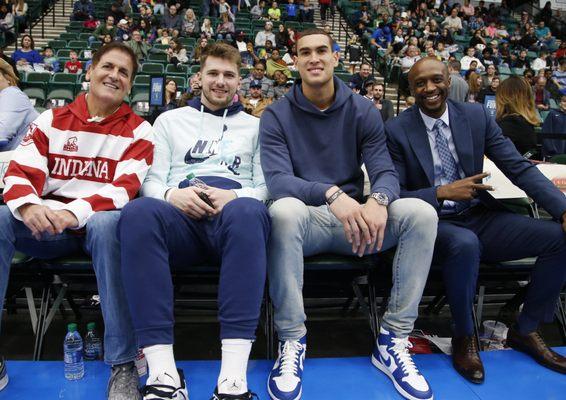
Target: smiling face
<point x="110" y="79"/>
<point x="429" y="82"/>
<point x="220" y="81"/>
<point x="315" y="60"/>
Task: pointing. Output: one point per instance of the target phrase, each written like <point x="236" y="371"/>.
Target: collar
<point x="429" y="121"/>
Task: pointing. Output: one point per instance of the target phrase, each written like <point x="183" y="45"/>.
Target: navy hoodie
<point x="555" y="122"/>
<point x="305" y="151"/>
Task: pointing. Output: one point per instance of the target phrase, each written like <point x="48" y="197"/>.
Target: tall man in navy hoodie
<point x="312" y="145"/>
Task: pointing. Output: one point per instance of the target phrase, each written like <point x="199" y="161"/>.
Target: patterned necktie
<point x="449" y="166"/>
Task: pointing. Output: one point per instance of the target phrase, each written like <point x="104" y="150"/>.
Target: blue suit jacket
<point x="475" y="133"/>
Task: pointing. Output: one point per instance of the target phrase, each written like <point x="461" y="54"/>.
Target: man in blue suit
<point x="437" y="147"/>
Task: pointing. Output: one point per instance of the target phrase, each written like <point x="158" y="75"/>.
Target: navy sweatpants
<point x="494" y="236"/>
<point x="156" y="235"/>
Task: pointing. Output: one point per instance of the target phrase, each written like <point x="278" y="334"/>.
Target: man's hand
<point x="375" y="216"/>
<point x="349" y="213"/>
<point x="36" y="218"/>
<point x="220" y="197"/>
<point x="463" y="189"/>
<point x="63" y="219"/>
<point x="188" y="201"/>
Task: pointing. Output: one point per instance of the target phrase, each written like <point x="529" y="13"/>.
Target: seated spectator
<point x="453" y="22"/>
<point x="191" y="27"/>
<point x="477" y="39"/>
<point x="146" y="31"/>
<point x="410" y="58"/>
<point x="50" y="61"/>
<point x="274" y="13"/>
<point x="445" y="37"/>
<point x="223" y="7"/>
<point x="521" y="61"/>
<point x="385" y="106"/>
<point x="107" y="39"/>
<point x="258" y="10"/>
<point x="490" y="30"/>
<point x="146" y="14"/>
<point x="106" y="28"/>
<point x="176" y="53"/>
<point x="502" y="33"/>
<point x="516" y="113"/>
<point x="282" y="37"/>
<point x="307" y="11"/>
<point x="264" y="53"/>
<point x="468" y="9"/>
<point x="380" y="39"/>
<point x="140" y="47"/>
<point x="159" y="7"/>
<point x="116" y="11"/>
<point x="441" y="52"/>
<point x="82" y="10"/>
<point x="73" y="66"/>
<point x="544" y="35"/>
<point x="206" y="29"/>
<point x="358" y="80"/>
<point x="163" y="37"/>
<point x="255" y="104"/>
<point x="122" y="31"/>
<point x="289" y="57"/>
<point x="249" y="57"/>
<point x="542" y="96"/>
<point x="172" y="21"/>
<point x="487" y="58"/>
<point x="529" y="40"/>
<point x="559" y="77"/>
<point x="266" y="34"/>
<point x="20" y="10"/>
<point x="490" y="90"/>
<point x="169" y="101"/>
<point x="280" y="85"/>
<point x="26" y="55"/>
<point x="475" y="84"/>
<point x="258" y="73"/>
<point x="490" y="73"/>
<point x="16" y="110"/>
<point x="203" y="42"/>
<point x="7" y="23"/>
<point x="555" y="122"/>
<point x="225" y="29"/>
<point x="469" y="58"/>
<point x="458" y="86"/>
<point x="292" y="11"/>
<point x="276" y="63"/>
<point x="541" y="62"/>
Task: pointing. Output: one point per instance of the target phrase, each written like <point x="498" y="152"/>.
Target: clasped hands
<point x="364" y="224"/>
<point x="42" y="220"/>
<point x="190" y="203"/>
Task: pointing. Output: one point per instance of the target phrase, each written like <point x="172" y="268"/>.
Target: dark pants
<point x="494" y="236"/>
<point x="155" y="235"/>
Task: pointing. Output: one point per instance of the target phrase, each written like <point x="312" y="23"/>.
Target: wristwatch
<point x="381" y="198"/>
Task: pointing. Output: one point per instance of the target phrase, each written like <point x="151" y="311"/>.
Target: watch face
<point x="381" y="198"/>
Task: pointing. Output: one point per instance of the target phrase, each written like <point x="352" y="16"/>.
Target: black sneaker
<point x="3" y="373"/>
<point x="163" y="391"/>
<point x="249" y="395"/>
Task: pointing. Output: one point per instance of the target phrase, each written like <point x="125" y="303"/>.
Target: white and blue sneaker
<point x="164" y="388"/>
<point x="391" y="356"/>
<point x="285" y="380"/>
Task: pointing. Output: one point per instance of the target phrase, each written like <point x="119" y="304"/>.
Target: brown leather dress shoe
<point x="466" y="358"/>
<point x="533" y="345"/>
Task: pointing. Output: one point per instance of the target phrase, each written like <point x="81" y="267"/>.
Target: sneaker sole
<point x="4" y="381"/>
<point x="273" y="397"/>
<point x="403" y="393"/>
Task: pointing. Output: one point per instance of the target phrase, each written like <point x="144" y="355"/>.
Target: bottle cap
<point x="72" y="327"/>
<point x="91" y="326"/>
<point x="190" y="176"/>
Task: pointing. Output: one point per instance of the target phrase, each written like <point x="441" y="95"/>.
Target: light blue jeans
<point x="101" y="242"/>
<point x="299" y="230"/>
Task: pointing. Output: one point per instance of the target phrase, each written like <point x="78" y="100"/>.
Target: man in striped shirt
<point x="75" y="168"/>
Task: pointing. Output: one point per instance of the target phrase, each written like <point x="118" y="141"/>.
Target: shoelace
<point x="290" y="357"/>
<point x="472" y="346"/>
<point x="401" y="349"/>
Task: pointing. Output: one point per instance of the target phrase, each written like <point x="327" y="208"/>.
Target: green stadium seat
<point x="187" y="41"/>
<point x="60" y="97"/>
<point x="36" y="96"/>
<point x="63" y="53"/>
<point x="150" y="68"/>
<point x="37" y="79"/>
<point x="157" y="58"/>
<point x="84" y="36"/>
<point x="57" y="44"/>
<point x="503" y="69"/>
<point x="518" y="71"/>
<point x="62" y="80"/>
<point x="140" y="103"/>
<point x="77" y="44"/>
<point x="177" y="70"/>
<point x="69" y="36"/>
<point x="344" y="76"/>
<point x="195" y="69"/>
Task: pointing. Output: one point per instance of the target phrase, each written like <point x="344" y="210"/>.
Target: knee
<point x="103" y="222"/>
<point x="418" y="213"/>
<point x="288" y="214"/>
<point x="465" y="244"/>
<point x="138" y="214"/>
<point x="247" y="211"/>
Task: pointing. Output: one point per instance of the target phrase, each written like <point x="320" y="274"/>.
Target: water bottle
<point x="93" y="343"/>
<point x="73" y="348"/>
<point x="194" y="181"/>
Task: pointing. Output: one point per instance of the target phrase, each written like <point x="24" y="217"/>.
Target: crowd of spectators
<point x="483" y="46"/>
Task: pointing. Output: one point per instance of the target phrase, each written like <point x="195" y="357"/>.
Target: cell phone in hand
<point x="204" y="197"/>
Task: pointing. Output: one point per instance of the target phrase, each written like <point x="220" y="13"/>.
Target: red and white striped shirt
<point x="67" y="162"/>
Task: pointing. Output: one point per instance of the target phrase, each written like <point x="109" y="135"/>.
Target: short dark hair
<point x="315" y="31"/>
<point x="120" y="47"/>
<point x="223" y="51"/>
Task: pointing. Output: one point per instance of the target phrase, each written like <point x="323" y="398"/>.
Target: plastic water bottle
<point x="93" y="343"/>
<point x="73" y="348"/>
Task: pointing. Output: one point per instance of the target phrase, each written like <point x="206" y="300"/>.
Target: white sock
<point x="235" y="356"/>
<point x="161" y="361"/>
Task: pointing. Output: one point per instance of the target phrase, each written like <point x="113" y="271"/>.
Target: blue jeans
<point x="299" y="230"/>
<point x="101" y="243"/>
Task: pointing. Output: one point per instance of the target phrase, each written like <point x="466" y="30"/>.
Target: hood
<point x="232" y="109"/>
<point x="80" y="110"/>
<point x="298" y="99"/>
